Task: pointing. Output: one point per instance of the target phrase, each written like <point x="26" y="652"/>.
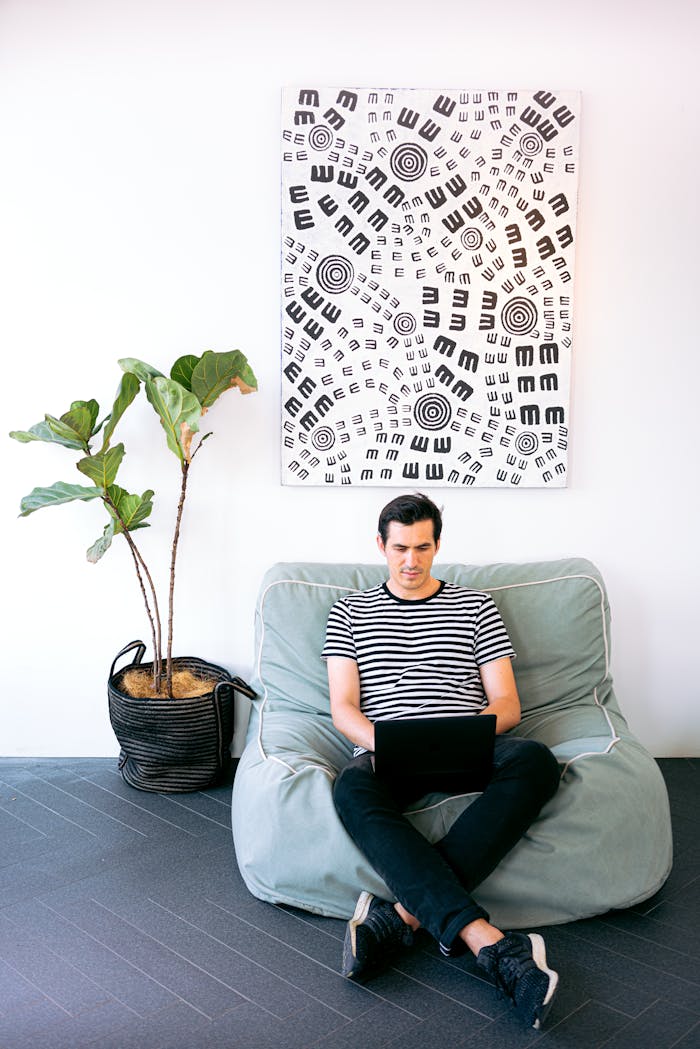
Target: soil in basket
<point x="139" y="685"/>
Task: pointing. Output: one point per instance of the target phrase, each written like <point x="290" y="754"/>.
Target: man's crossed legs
<point x="432" y="884"/>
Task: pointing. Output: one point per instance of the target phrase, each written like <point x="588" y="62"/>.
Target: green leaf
<point x="138" y="368"/>
<point x="132" y="509"/>
<point x="177" y="407"/>
<point x="73" y="430"/>
<point x="217" y="372"/>
<point x="78" y="422"/>
<point x="83" y="414"/>
<point x="182" y="369"/>
<point x="57" y="493"/>
<point x="103" y="467"/>
<point x="100" y="547"/>
<point x="128" y="388"/>
<point x="43" y="432"/>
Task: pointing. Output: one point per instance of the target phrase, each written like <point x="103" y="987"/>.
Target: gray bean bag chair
<point x="603" y="841"/>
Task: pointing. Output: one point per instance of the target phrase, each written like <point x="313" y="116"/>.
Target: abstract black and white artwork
<point x="427" y="286"/>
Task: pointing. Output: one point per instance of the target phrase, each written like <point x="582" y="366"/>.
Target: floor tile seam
<point x="391" y="1039"/>
<point x="141" y="808"/>
<point x="98" y="1040"/>
<point x="329" y="968"/>
<point x="454" y="969"/>
<point x="636" y="1019"/>
<point x="63" y="960"/>
<point x="224" y="802"/>
<point x="445" y="994"/>
<point x="94" y="808"/>
<point x="475" y="1039"/>
<point x="23" y="980"/>
<point x="651" y="912"/>
<point x="193" y="812"/>
<point x="296" y="950"/>
<point x="681" y="891"/>
<point x="631" y="1019"/>
<point x="248" y="958"/>
<point x="130" y="964"/>
<point x="100" y="983"/>
<point x="18" y="819"/>
<point x="188" y="961"/>
<point x="24" y="822"/>
<point x="656" y="967"/>
<point x="550" y="1028"/>
<point x="645" y="939"/>
<point x="330" y="1034"/>
<point x="695" y="1027"/>
<point x="53" y="812"/>
<point x="43" y="996"/>
<point x="308" y="924"/>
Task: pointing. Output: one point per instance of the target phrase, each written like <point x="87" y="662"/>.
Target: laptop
<point x="450" y="754"/>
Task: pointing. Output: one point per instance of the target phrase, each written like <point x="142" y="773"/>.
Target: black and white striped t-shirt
<point x="418" y="658"/>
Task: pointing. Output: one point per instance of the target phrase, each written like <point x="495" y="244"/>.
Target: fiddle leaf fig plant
<point x="180" y="400"/>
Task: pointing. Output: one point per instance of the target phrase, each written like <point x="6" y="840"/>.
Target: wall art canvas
<point x="427" y="286"/>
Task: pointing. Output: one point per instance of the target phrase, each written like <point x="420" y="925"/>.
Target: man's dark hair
<point x="407" y="510"/>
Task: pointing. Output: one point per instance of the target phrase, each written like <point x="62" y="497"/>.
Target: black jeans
<point x="434" y="882"/>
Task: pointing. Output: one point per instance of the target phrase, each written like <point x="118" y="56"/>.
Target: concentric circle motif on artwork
<point x="323" y="439"/>
<point x="432" y="411"/>
<point x="519" y="316"/>
<point x="320" y="137"/>
<point x="335" y="274"/>
<point x="526" y="443"/>
<point x="472" y="238"/>
<point x="404" y="324"/>
<point x="408" y="162"/>
<point x="530" y="144"/>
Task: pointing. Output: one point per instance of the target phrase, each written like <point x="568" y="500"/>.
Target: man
<point x="417" y="646"/>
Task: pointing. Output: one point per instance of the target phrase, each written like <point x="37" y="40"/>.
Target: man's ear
<point x="380" y="544"/>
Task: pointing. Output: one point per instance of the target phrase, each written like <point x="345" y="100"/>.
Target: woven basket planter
<point x="174" y="745"/>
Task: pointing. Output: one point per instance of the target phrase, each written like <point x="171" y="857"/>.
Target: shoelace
<point x="510" y="967"/>
<point x="387" y="923"/>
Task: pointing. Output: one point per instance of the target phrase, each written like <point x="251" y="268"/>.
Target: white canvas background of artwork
<point x="391" y="229"/>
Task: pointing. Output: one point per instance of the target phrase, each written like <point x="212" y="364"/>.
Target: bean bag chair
<point x="602" y="842"/>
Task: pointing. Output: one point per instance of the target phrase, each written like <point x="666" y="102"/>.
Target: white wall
<point x="139" y="215"/>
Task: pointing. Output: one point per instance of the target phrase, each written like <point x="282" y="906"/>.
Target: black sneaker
<point x="518" y="965"/>
<point x="374" y="934"/>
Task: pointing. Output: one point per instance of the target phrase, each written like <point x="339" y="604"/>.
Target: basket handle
<point x="141" y="651"/>
<point x="238" y="684"/>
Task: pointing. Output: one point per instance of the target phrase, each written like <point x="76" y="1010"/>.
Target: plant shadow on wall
<point x="174" y="717"/>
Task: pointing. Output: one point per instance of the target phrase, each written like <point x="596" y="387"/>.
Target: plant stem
<point x="139" y="564"/>
<point x="171" y="596"/>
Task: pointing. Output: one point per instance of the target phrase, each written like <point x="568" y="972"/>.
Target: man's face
<point x="409" y="552"/>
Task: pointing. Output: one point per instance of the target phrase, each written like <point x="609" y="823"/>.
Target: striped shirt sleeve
<point x="491" y="639"/>
<point x="339" y="636"/>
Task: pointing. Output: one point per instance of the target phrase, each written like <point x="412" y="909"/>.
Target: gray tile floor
<point x="124" y="923"/>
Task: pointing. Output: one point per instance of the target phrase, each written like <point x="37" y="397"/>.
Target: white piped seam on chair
<point x="614" y="739"/>
<point x="279" y="761"/>
<point x="259" y="612"/>
<point x="559" y="579"/>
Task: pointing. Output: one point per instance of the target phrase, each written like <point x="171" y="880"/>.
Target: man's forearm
<point x="349" y="720"/>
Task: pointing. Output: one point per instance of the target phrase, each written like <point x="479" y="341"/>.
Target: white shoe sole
<point x="361" y="911"/>
<point x="539" y="955"/>
<point x="350" y="956"/>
